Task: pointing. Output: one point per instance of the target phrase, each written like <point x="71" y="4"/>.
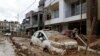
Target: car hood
<point x="69" y="43"/>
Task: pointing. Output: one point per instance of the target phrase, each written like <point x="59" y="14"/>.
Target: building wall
<point x="30" y="19"/>
<point x="6" y="25"/>
<point x="48" y="2"/>
<point x="64" y="12"/>
<point x="13" y="26"/>
<point x="67" y="9"/>
<point x="65" y="26"/>
<point x="75" y="18"/>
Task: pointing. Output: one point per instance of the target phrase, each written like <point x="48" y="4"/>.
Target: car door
<point x="41" y="38"/>
<point x="34" y="39"/>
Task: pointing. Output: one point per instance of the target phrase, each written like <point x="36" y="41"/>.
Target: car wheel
<point x="45" y="49"/>
<point x="31" y="43"/>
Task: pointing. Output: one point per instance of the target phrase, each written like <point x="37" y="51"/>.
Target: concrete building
<point x="59" y="15"/>
<point x="34" y="20"/>
<point x="4" y="25"/>
<point x="41" y="5"/>
<point x="8" y="26"/>
<point x="13" y="26"/>
<point x="65" y="15"/>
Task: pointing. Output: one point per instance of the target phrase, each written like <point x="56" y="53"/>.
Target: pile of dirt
<point x="23" y="48"/>
<point x="58" y="37"/>
<point x="96" y="47"/>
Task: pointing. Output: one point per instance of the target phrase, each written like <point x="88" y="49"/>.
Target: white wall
<point x="65" y="14"/>
<point x="62" y="9"/>
<point x="53" y="21"/>
<point x="75" y="18"/>
<point x="68" y="9"/>
<point x="48" y="2"/>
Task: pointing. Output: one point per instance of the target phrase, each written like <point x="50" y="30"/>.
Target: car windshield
<point x="53" y="35"/>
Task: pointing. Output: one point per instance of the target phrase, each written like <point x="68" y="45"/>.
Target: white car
<point x="7" y="34"/>
<point x="53" y="41"/>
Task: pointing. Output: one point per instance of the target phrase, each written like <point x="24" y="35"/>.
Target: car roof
<point x="43" y="30"/>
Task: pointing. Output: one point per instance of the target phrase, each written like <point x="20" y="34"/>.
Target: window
<point x="41" y="37"/>
<point x="56" y="14"/>
<point x="76" y="7"/>
<point x="48" y="17"/>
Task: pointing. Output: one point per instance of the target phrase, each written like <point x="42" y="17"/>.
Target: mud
<point x="23" y="48"/>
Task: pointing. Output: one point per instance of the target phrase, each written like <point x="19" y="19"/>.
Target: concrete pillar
<point x="31" y="21"/>
<point x="62" y="9"/>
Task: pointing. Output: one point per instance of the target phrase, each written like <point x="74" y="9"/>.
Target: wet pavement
<point x="6" y="48"/>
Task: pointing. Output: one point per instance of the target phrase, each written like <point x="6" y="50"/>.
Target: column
<point x="62" y="6"/>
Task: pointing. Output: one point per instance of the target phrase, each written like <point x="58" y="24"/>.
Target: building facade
<point x="34" y="20"/>
<point x="60" y="15"/>
<point x="8" y="26"/>
<point x="66" y="14"/>
<point x="4" y="25"/>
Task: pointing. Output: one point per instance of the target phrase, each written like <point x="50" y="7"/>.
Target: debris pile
<point x="23" y="48"/>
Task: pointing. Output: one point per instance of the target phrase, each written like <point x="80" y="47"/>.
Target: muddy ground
<point x="23" y="48"/>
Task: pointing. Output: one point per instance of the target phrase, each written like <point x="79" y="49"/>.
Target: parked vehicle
<point x="7" y="34"/>
<point x="53" y="41"/>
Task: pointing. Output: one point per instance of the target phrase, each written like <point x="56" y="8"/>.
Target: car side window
<point x="41" y="36"/>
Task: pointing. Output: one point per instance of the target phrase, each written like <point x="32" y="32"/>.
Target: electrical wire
<point x="28" y="7"/>
<point x="25" y="9"/>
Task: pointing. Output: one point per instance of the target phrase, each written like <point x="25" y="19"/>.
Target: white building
<point x="65" y="14"/>
<point x="6" y="26"/>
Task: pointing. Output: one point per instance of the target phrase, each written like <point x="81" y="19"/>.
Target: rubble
<point x="23" y="48"/>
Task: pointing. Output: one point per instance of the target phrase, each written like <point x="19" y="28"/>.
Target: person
<point x="74" y="32"/>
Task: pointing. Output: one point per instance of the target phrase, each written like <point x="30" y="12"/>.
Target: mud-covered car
<point x="53" y="41"/>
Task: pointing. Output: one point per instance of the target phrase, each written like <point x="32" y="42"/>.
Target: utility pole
<point x="91" y="17"/>
<point x="80" y="15"/>
<point x="18" y="17"/>
<point x="91" y="20"/>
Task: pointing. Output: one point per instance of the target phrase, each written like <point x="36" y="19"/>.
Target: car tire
<point x="45" y="49"/>
<point x="31" y="43"/>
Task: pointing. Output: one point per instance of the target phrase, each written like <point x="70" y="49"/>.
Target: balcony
<point x="53" y="21"/>
<point x="75" y="18"/>
<point x="27" y="25"/>
<point x="48" y="2"/>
